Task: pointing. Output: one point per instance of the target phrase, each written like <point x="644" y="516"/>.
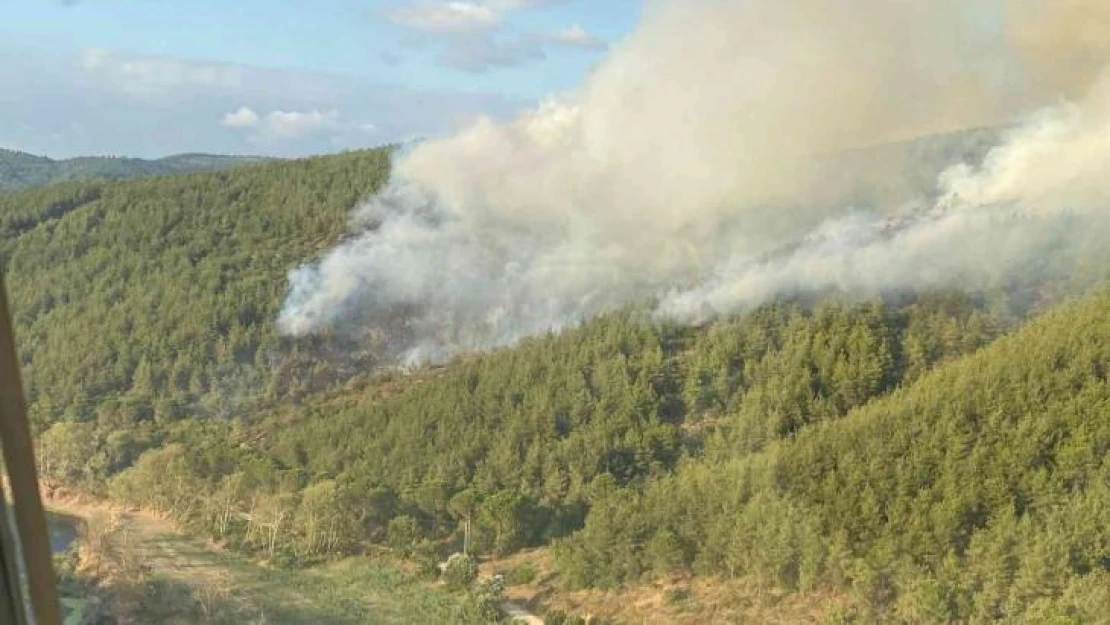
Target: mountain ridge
<point x="22" y="169"/>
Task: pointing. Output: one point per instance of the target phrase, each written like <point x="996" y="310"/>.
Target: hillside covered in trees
<point x="20" y="169"/>
<point x="934" y="457"/>
<point x="136" y="299"/>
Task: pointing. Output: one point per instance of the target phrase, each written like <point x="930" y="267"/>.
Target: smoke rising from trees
<point x="707" y="165"/>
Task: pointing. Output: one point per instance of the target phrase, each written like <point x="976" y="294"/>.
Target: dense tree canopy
<point x="980" y="492"/>
<point x="160" y="294"/>
<point x="931" y="453"/>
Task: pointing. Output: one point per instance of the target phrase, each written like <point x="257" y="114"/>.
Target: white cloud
<point x="480" y="52"/>
<point x="279" y="124"/>
<point x="474" y="36"/>
<point x="459" y="16"/>
<point x="94" y="58"/>
<point x="292" y="124"/>
<point x="78" y="104"/>
<point x="150" y="76"/>
<point x="447" y="17"/>
<point x="576" y="37"/>
<point x="242" y="118"/>
<point x="512" y="5"/>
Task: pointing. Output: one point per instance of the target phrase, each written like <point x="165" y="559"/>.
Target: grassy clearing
<point x="150" y="573"/>
<point x="677" y="600"/>
<point x="356" y="590"/>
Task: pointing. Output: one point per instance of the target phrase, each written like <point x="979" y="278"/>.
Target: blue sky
<point x="282" y="77"/>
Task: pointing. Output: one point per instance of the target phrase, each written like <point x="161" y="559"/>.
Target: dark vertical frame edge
<point x="15" y="436"/>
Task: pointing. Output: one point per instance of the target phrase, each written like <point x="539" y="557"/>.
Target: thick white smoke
<point x="708" y="164"/>
<point x="1038" y="203"/>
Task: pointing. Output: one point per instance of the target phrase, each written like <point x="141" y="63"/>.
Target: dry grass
<point x="149" y="572"/>
<point x="678" y="600"/>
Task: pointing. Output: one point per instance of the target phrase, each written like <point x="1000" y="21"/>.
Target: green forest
<point x="20" y="169"/>
<point x="938" y="457"/>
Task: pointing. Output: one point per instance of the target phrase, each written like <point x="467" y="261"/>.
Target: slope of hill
<point x="796" y="450"/>
<point x="159" y="292"/>
<point x="979" y="493"/>
<point x="895" y="449"/>
<point x="19" y="169"/>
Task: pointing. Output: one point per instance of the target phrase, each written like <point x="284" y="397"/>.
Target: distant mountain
<point x="19" y="169"/>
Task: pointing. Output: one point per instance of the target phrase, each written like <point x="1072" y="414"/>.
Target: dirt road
<point x="164" y="553"/>
<point x="353" y="591"/>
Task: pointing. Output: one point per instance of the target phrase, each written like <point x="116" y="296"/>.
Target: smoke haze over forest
<point x="700" y="167"/>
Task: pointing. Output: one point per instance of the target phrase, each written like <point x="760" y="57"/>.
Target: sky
<point x="150" y="78"/>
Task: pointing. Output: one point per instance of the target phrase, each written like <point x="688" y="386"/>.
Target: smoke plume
<point x="729" y="152"/>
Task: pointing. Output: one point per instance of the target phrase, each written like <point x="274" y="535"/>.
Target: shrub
<point x="483" y="602"/>
<point x="676" y="595"/>
<point x="402" y="534"/>
<point x="522" y="574"/>
<point x="460" y="572"/>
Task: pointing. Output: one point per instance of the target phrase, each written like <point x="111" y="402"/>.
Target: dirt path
<point x="184" y="559"/>
<point x="165" y="553"/>
<point x="518" y="614"/>
<point x="360" y="591"/>
<point x="171" y="555"/>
